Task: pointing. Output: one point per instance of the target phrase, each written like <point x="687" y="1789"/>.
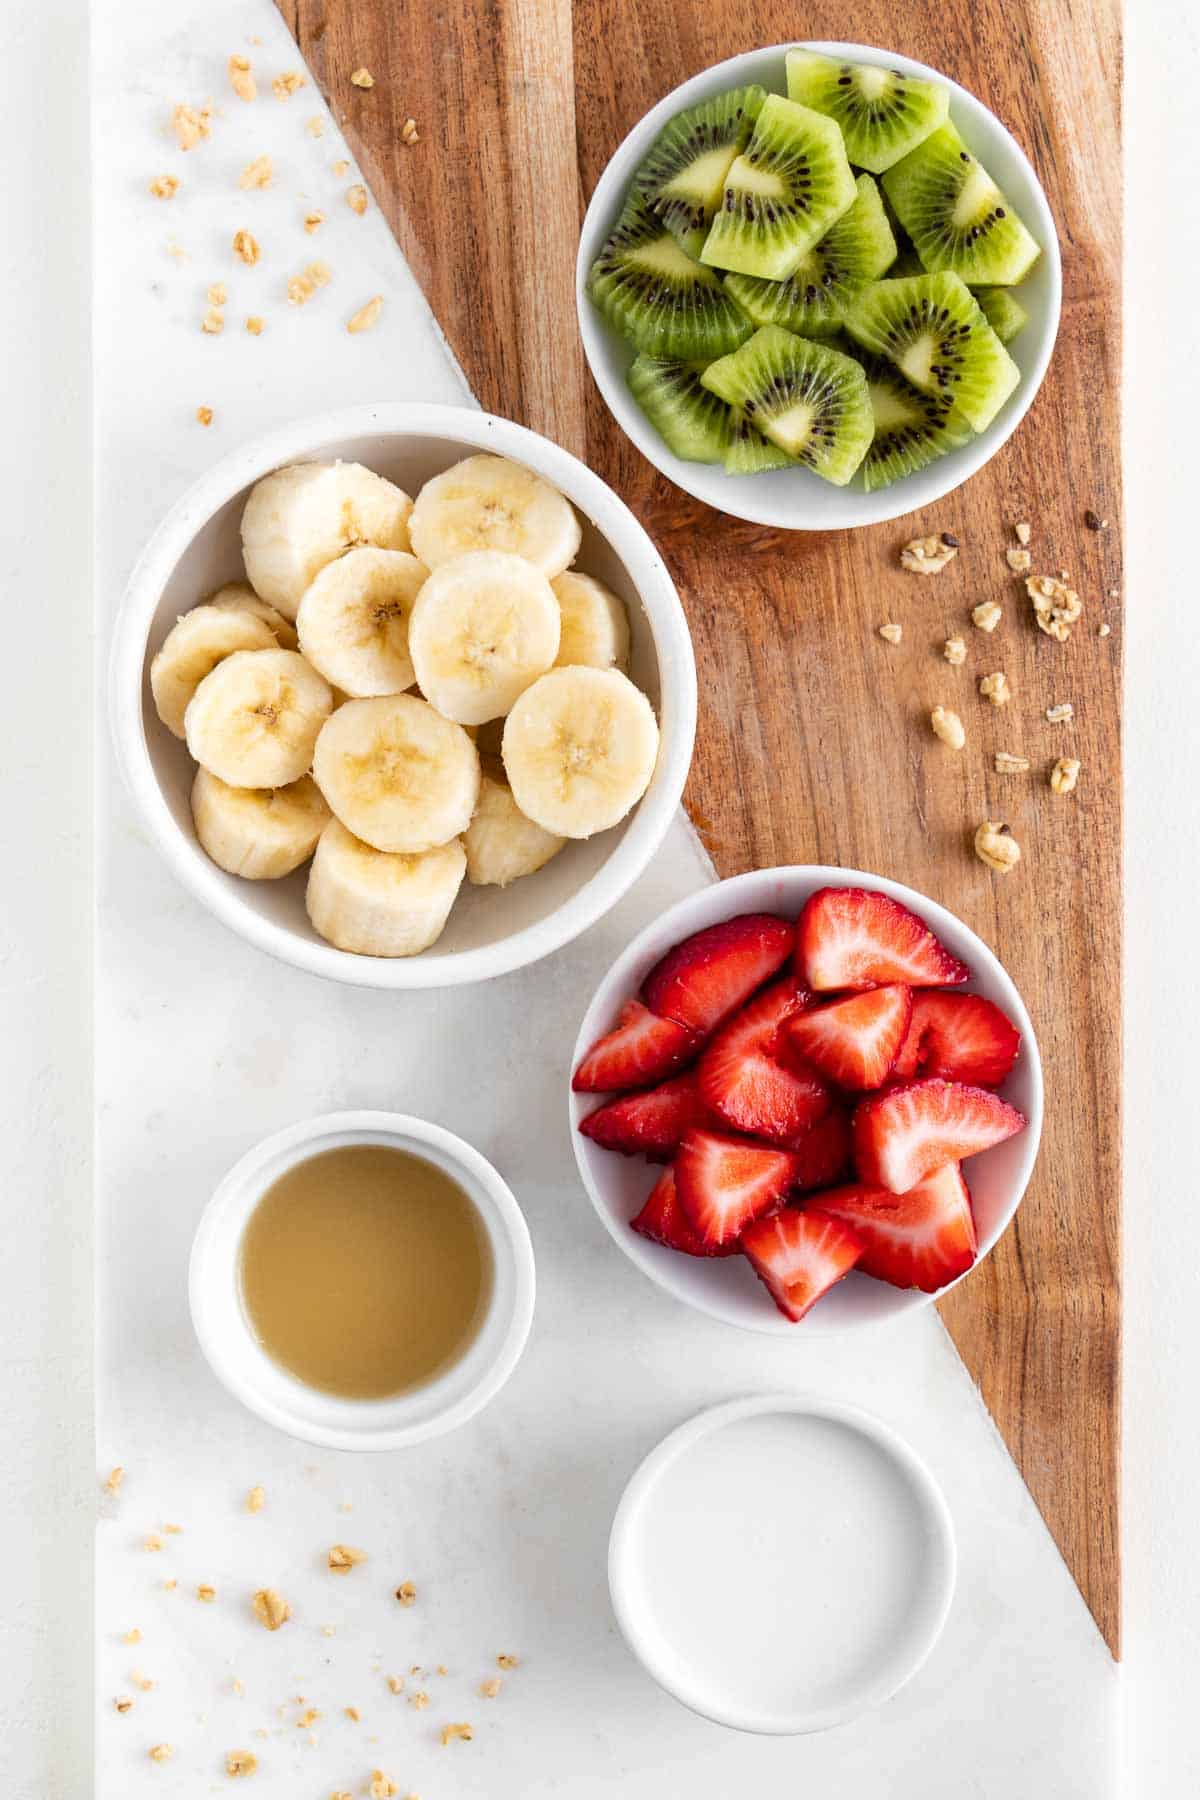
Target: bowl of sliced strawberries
<point x="806" y="1099"/>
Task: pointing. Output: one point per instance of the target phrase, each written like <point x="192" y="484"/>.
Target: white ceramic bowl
<point x="490" y="931"/>
<point x="827" y="1557"/>
<point x="239" y="1361"/>
<point x="727" y="1287"/>
<point x="795" y="499"/>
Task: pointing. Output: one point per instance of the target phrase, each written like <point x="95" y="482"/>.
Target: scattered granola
<point x="173" y="1530"/>
<point x="462" y="1732"/>
<point x="238" y="1686"/>
<point x="396" y="1683"/>
<point x="254" y="325"/>
<point x="420" y="1700"/>
<point x="152" y="1541"/>
<point x="170" y="1584"/>
<point x="344" y="1557"/>
<point x="929" y="555"/>
<point x="165" y="187"/>
<point x="329" y="1631"/>
<point x="270" y="1608"/>
<point x="213" y="322"/>
<point x="1114" y="593"/>
<point x="123" y="1704"/>
<point x="132" y="1637"/>
<point x="308" y="1718"/>
<point x="1008" y="764"/>
<point x="995" y="688"/>
<point x="382" y="1787"/>
<point x="1104" y="631"/>
<point x="315" y="126"/>
<point x="368" y="315"/>
<point x="240" y="1762"/>
<point x="257" y="174"/>
<point x="241" y="79"/>
<point x="955" y="651"/>
<point x="1060" y="715"/>
<point x="313" y="221"/>
<point x="507" y="1661"/>
<point x="362" y="78"/>
<point x="113" y="1481"/>
<point x="997" y="847"/>
<point x="1019" y="561"/>
<point x="491" y="1687"/>
<point x="406" y="1593"/>
<point x="357" y="199"/>
<point x="218" y="294"/>
<point x="191" y="125"/>
<point x="1022" y="531"/>
<point x="1065" y="774"/>
<point x="1093" y="521"/>
<point x="891" y="634"/>
<point x="287" y="84"/>
<point x="1056" y="606"/>
<point x="987" y="615"/>
<point x="206" y="1592"/>
<point x="441" y="1669"/>
<point x="352" y="1712"/>
<point x="409" y="134"/>
<point x="340" y="167"/>
<point x="161" y="1752"/>
<point x="256" y="1499"/>
<point x="246" y="247"/>
<point x="143" y="1683"/>
<point x="948" y="726"/>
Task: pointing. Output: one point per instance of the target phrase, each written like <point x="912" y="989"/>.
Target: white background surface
<point x="47" y="1479"/>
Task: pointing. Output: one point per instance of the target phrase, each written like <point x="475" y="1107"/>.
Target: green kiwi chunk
<point x="883" y="113"/>
<point x="957" y="216"/>
<point x="749" y="452"/>
<point x="806" y="397"/>
<point x="931" y="328"/>
<point x="691" y="421"/>
<point x="781" y="194"/>
<point x="684" y="173"/>
<point x="662" y="301"/>
<point x="1002" y="310"/>
<point x="856" y="249"/>
<point x="911" y="428"/>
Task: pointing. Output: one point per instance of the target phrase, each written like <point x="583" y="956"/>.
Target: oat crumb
<point x="340" y="168"/>
<point x="929" y="555"/>
<point x="152" y="1541"/>
<point x="241" y="78"/>
<point x="1114" y="593"/>
<point x="206" y="1592"/>
<point x="507" y="1661"/>
<point x="191" y="125"/>
<point x="165" y="187"/>
<point x="170" y="1584"/>
<point x="270" y="1608"/>
<point x="161" y="1752"/>
<point x="406" y="1593"/>
<point x="382" y="1786"/>
<point x="1006" y="763"/>
<point x="329" y="1631"/>
<point x="114" y="1480"/>
<point x="955" y="651"/>
<point x="257" y="174"/>
<point x="987" y="615"/>
<point x="256" y="1499"/>
<point x="173" y="1530"/>
<point x="891" y="634"/>
<point x="396" y="1683"/>
<point x="143" y="1683"/>
<point x="240" y="1762"/>
<point x="344" y="1557"/>
<point x="949" y="727"/>
<point x="123" y="1704"/>
<point x="362" y="78"/>
<point x="409" y="134"/>
<point x="441" y="1669"/>
<point x="462" y="1732"/>
<point x="287" y="84"/>
<point x="246" y="247"/>
<point x="313" y="221"/>
<point x="420" y="1700"/>
<point x="238" y="1686"/>
<point x="1061" y="714"/>
<point x="308" y="1718"/>
<point x="213" y="322"/>
<point x="995" y="688"/>
<point x="491" y="1687"/>
<point x="255" y="325"/>
<point x="1065" y="774"/>
<point x="997" y="847"/>
<point x="352" y="1712"/>
<point x="132" y="1637"/>
<point x="368" y="315"/>
<point x="315" y="126"/>
<point x="1022" y="532"/>
<point x="217" y="295"/>
<point x="1019" y="561"/>
<point x="1056" y="606"/>
<point x="1104" y="631"/>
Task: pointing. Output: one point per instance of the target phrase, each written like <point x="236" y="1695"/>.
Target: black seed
<point x="950" y="541"/>
<point x="1000" y="213"/>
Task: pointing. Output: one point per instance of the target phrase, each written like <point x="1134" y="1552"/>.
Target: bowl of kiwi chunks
<point x="826" y="267"/>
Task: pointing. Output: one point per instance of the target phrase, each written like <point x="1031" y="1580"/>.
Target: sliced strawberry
<point x="859" y="938"/>
<point x="823" y="1151"/>
<point x="743" y="1081"/>
<point x="642" y="1049"/>
<point x="724" y="1182"/>
<point x="902" y="1136"/>
<point x="921" y="1239"/>
<point x="664" y="1221"/>
<point x="702" y="980"/>
<point x="961" y="1037"/>
<point x="650" y="1123"/>
<point x="854" y="1041"/>
<point x="799" y="1256"/>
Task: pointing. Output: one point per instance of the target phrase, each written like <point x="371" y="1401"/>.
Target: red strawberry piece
<point x="663" y="1220"/>
<point x="908" y="1132"/>
<point x="854" y="1041"/>
<point x="921" y="1239"/>
<point x="858" y="938"/>
<point x="724" y="1182"/>
<point x="702" y="980"/>
<point x="823" y="1152"/>
<point x="642" y="1049"/>
<point x="650" y="1123"/>
<point x="742" y="1079"/>
<point x="961" y="1037"/>
<point x="800" y="1255"/>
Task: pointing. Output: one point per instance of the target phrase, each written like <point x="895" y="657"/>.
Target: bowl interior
<point x="482" y="918"/>
<point x="796" y="499"/>
<point x="727" y="1288"/>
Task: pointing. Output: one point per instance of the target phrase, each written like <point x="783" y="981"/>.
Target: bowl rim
<point x="305" y="438"/>
<point x="929" y="1500"/>
<point x="743" y="893"/>
<point x="872" y="509"/>
<point x="233" y="1356"/>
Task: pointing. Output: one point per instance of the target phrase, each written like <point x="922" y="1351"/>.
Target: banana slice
<point x="353" y="621"/>
<point x="579" y="750"/>
<point x="484" y="626"/>
<point x="595" y="624"/>
<point x="379" y="905"/>
<point x="239" y="596"/>
<point x="261" y="833"/>
<point x="489" y="503"/>
<point x="254" y="721"/>
<point x="301" y="517"/>
<point x="500" y="842"/>
<point x="193" y="647"/>
<point x="397" y="774"/>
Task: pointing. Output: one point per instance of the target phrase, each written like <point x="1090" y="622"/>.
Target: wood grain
<point x="814" y="742"/>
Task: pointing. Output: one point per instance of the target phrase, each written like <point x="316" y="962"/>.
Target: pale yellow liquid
<point x="365" y="1271"/>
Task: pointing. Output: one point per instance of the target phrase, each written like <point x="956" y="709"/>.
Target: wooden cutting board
<point x="814" y="743"/>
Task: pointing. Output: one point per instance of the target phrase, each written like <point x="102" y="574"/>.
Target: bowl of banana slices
<point x="404" y="694"/>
